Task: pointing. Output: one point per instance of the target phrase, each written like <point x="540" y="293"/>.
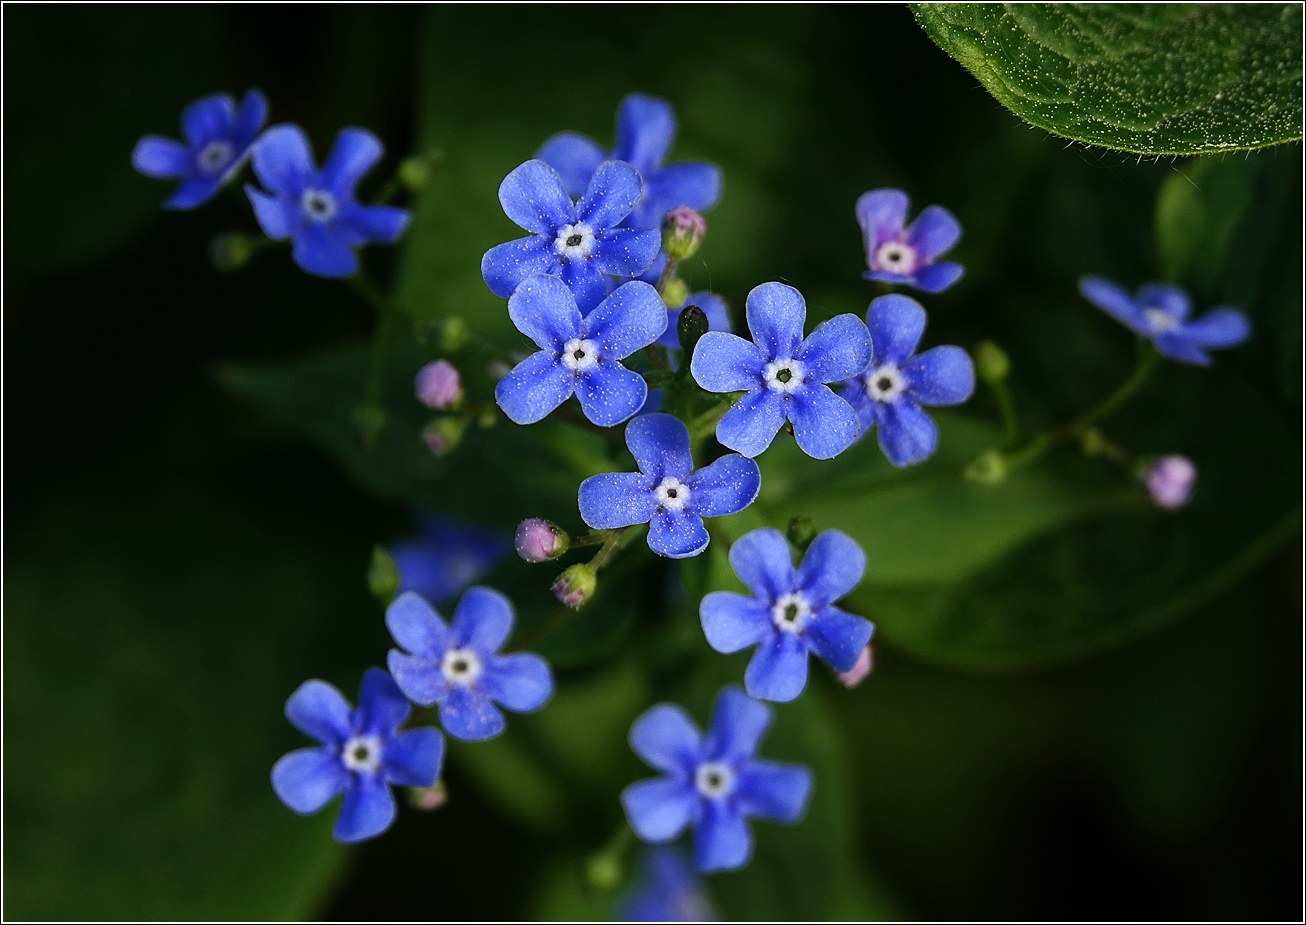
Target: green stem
<point x="667" y="272"/>
<point x="1147" y="361"/>
<point x="1010" y="423"/>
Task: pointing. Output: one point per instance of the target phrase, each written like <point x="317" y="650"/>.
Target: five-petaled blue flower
<point x="447" y="557"/>
<point x="218" y="139"/>
<point x="712" y="782"/>
<point x="891" y="390"/>
<point x="578" y="242"/>
<point x="579" y="354"/>
<point x="718" y="317"/>
<point x="1160" y="313"/>
<point x="667" y="493"/>
<point x="362" y="753"/>
<point x="791" y="612"/>
<point x="315" y="207"/>
<point x="782" y="374"/>
<point x="666" y="890"/>
<point x="459" y="667"/>
<point x="646" y="127"/>
<point x="906" y="255"/>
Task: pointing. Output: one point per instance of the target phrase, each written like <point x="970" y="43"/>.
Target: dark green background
<point x="178" y="560"/>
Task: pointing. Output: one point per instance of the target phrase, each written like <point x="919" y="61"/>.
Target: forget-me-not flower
<point x="890" y="391"/>
<point x="459" y="666"/>
<point x="718" y="317"/>
<point x="667" y="493"/>
<point x="907" y="255"/>
<point x="1160" y="313"/>
<point x="783" y="375"/>
<point x="445" y="557"/>
<point x="579" y="354"/>
<point x="646" y="127"/>
<point x="363" y="753"/>
<point x="578" y="242"/>
<point x="711" y="782"/>
<point x="666" y="890"/>
<point x="218" y="139"/>
<point x="791" y="611"/>
<point x="315" y="207"/>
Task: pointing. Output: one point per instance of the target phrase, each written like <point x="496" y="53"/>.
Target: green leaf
<point x="1155" y="79"/>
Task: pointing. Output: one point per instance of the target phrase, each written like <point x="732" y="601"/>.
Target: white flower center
<point x="783" y="375"/>
<point x="579" y="355"/>
<point x="1158" y="322"/>
<point x="895" y="257"/>
<point x="790" y="612"/>
<point x="672" y="494"/>
<point x="714" y="779"/>
<point x="318" y="204"/>
<point x="574" y="241"/>
<point x="362" y="753"/>
<point x="461" y="666"/>
<point x="214" y="156"/>
<point x="884" y="383"/>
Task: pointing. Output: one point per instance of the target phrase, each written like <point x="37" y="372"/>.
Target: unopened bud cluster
<point x="682" y="232"/>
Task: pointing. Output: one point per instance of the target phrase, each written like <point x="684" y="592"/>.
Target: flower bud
<point x="857" y="673"/>
<point x="604" y="871"/>
<point x="674" y="292"/>
<point x="443" y="434"/>
<point x="575" y="585"/>
<point x="428" y="798"/>
<point x="382" y="576"/>
<point x="438" y="385"/>
<point x="1170" y="480"/>
<point x="230" y="251"/>
<point x="991" y="362"/>
<point x="989" y="468"/>
<point x="538" y="540"/>
<point x="682" y="232"/>
<point x="415" y="172"/>
<point x="801" y="532"/>
<point x="690" y="326"/>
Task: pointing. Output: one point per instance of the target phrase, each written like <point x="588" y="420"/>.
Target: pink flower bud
<point x="438" y="385"/>
<point x="855" y="675"/>
<point x="538" y="540"/>
<point x="1170" y="480"/>
<point x="575" y="585"/>
<point x="682" y="232"/>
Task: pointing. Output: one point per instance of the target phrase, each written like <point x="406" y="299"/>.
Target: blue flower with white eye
<point x="578" y="242"/>
<point x="791" y="612"/>
<point x="782" y="375"/>
<point x="218" y="139"/>
<point x="363" y="753"/>
<point x="666" y="493"/>
<point x="579" y="354"/>
<point x="666" y="890"/>
<point x="646" y="127"/>
<point x="445" y="557"/>
<point x="890" y="391"/>
<point x="711" y="782"/>
<point x="1160" y="313"/>
<point x="718" y="317"/>
<point x="315" y="207"/>
<point x="907" y="255"/>
<point x="459" y="666"/>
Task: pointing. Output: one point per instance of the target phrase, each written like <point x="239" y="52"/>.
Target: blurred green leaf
<point x="1198" y="210"/>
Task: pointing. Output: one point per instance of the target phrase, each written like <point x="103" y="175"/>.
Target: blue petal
<point x="837" y="636"/>
<point x="776" y="314"/>
<point x="1113" y="300"/>
<point x="907" y="434"/>
<point x="412" y="758"/>
<point x="896" y="324"/>
<point x="283" y="160"/>
<point x="778" y="670"/>
<point x="882" y="276"/>
<point x="626" y="251"/>
<point x="373" y="224"/>
<point x="937" y="277"/>
<point x="418" y="676"/>
<point x="774" y="791"/>
<point x="677" y="534"/>
<point x="696" y="184"/>
<point x="660" y="445"/>
<point x="277" y="217"/>
<point x="482" y="621"/>
<point x="939" y="376"/>
<point x="721" y="839"/>
<point x="382" y="707"/>
<point x="652" y="403"/>
<point x="1220" y="327"/>
<point x="160" y="157"/>
<point x="533" y="197"/>
<point x="192" y="192"/>
<point x="653" y="274"/>
<point x="367" y="811"/>
<point x="307" y="779"/>
<point x="1170" y="299"/>
<point x="534" y="387"/>
<point x="544" y="309"/>
<point x="646" y="126"/>
<point x="667" y="739"/>
<point x="628" y="320"/>
<point x="739" y="723"/>
<point x="521" y="682"/>
<point x="854" y="393"/>
<point x="725" y="487"/>
<point x="839" y="348"/>
<point x="718" y="318"/>
<point x="354" y="153"/>
<point x="832" y="566"/>
<point x="587" y="283"/>
<point x="506" y="265"/>
<point x="319" y="710"/>
<point x="882" y="214"/>
<point x="575" y="157"/>
<point x="446" y="557"/>
<point x="659" y="809"/>
<point x="726" y="363"/>
<point x="667" y="891"/>
<point x="612" y="193"/>
<point x="323" y="251"/>
<point x="466" y="713"/>
<point x="616" y="499"/>
<point x="250" y="117"/>
<point x="732" y="621"/>
<point x="609" y="393"/>
<point x="208" y="118"/>
<point x="752" y="423"/>
<point x="934" y="232"/>
<point x="824" y="424"/>
<point x="1175" y="345"/>
<point x="763" y="562"/>
<point x="417" y="626"/>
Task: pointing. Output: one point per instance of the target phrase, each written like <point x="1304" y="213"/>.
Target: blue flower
<point x="791" y="612"/>
<point x="718" y="317"/>
<point x="906" y="255"/>
<point x="459" y="667"/>
<point x="781" y="374"/>
<point x="446" y="557"/>
<point x="711" y="782"/>
<point x="362" y="753"/>
<point x="666" y="890"/>
<point x="218" y="139"/>
<point x="646" y="127"/>
<point x="667" y="493"/>
<point x="1160" y="313"/>
<point x="578" y="242"/>
<point x="315" y="207"/>
<point x="579" y="354"/>
<point x="891" y="390"/>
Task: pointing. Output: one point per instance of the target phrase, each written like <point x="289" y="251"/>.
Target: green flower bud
<point x="989" y="468"/>
<point x="428" y="798"/>
<point x="382" y="576"/>
<point x="674" y="292"/>
<point x="682" y="232"/>
<point x="991" y="362"/>
<point x="230" y="251"/>
<point x="443" y="434"/>
<point x="575" y="585"/>
<point x="603" y="871"/>
<point x="691" y="325"/>
<point x="415" y="172"/>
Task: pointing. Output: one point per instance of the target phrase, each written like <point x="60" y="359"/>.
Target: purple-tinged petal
<point x="832" y="566"/>
<point x="466" y="713"/>
<point x="937" y="277"/>
<point x="763" y="562"/>
<point x="587" y="283"/>
<point x="575" y="157"/>
<point x="418" y="676"/>
<point x="725" y="487"/>
<point x="192" y="192"/>
<point x="543" y="309"/>
<point x="320" y="711"/>
<point x="612" y="192"/>
<point x="1113" y="300"/>
<point x="534" y="387"/>
<point x="776" y="314"/>
<point x="696" y="184"/>
<point x="616" y="499"/>
<point x="277" y="217"/>
<point x="417" y="626"/>
<point x="412" y="758"/>
<point x="854" y="393"/>
<point x="896" y="323"/>
<point x="307" y="779"/>
<point x="939" y="376"/>
<point x="718" y="319"/>
<point x="666" y="739"/>
<point x="739" y="723"/>
<point x="659" y="809"/>
<point x="250" y="117"/>
<point x="934" y="232"/>
<point x="533" y="197"/>
<point x="722" y="840"/>
<point x="752" y="422"/>
<point x="482" y="621"/>
<point x="655" y="269"/>
<point x="1177" y="346"/>
<point x="626" y="251"/>
<point x="382" y="706"/>
<point x="521" y="682"/>
<point x="882" y="214"/>
<point x="283" y="160"/>
<point x="207" y="118"/>
<point x="838" y="637"/>
<point x="1220" y="327"/>
<point x="609" y="393"/>
<point x="660" y="445"/>
<point x="367" y="811"/>
<point x="677" y="534"/>
<point x="907" y="434"/>
<point x="628" y="320"/>
<point x="837" y="349"/>
<point x="373" y="224"/>
<point x="505" y="266"/>
<point x="726" y="363"/>
<point x="774" y="791"/>
<point x="161" y="158"/>
<point x="646" y="126"/>
<point x="778" y="670"/>
<point x="354" y="153"/>
<point x="1170" y="299"/>
<point x="732" y="621"/>
<point x="824" y="424"/>
<point x="323" y="252"/>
